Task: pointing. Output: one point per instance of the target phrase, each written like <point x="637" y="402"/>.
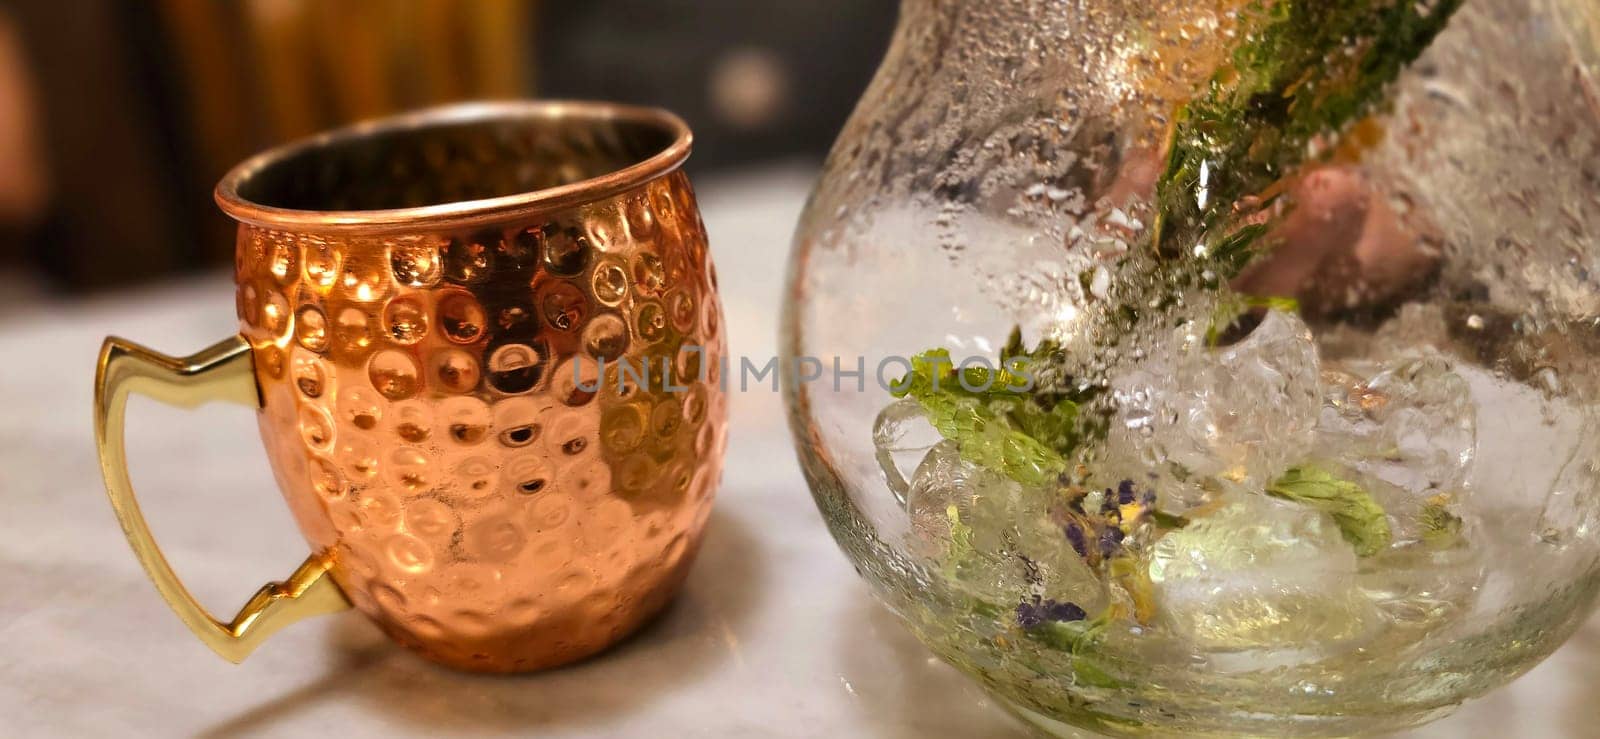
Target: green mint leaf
<point x="1080" y="639"/>
<point x="1441" y="529"/>
<point x="1359" y="517"/>
<point x="991" y="415"/>
<point x="1306" y="69"/>
<point x="960" y="542"/>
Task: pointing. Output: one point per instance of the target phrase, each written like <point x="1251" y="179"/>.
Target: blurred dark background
<point x="118" y="116"/>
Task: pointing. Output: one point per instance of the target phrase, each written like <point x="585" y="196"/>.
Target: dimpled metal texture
<point x="430" y="410"/>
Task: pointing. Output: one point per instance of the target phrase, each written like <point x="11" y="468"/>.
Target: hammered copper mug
<point x="483" y="343"/>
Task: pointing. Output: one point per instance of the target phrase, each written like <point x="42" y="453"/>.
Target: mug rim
<point x="460" y="212"/>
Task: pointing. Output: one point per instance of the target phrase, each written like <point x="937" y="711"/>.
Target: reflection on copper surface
<point x="415" y="355"/>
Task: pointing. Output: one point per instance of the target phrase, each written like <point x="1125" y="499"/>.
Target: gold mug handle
<point x="223" y="371"/>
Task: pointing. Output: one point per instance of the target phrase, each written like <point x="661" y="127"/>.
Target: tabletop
<point x="773" y="635"/>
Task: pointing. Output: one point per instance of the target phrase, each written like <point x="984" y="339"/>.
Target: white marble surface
<point x="773" y="636"/>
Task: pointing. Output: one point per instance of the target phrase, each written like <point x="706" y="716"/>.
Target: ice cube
<point x="1408" y="432"/>
<point x="1244" y="412"/>
<point x="1411" y="424"/>
<point x="1262" y="583"/>
<point x="901" y="436"/>
<point x="992" y="537"/>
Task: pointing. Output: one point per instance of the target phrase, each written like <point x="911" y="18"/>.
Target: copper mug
<point x="483" y="344"/>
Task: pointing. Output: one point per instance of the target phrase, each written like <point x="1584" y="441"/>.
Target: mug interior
<point x="462" y="159"/>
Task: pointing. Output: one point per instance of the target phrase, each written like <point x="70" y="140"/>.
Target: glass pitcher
<point x="1215" y="367"/>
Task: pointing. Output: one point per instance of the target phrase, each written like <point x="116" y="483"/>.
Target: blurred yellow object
<point x="260" y="72"/>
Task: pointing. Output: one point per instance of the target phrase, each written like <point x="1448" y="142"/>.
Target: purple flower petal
<point x="1125" y="493"/>
<point x="1075" y="536"/>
